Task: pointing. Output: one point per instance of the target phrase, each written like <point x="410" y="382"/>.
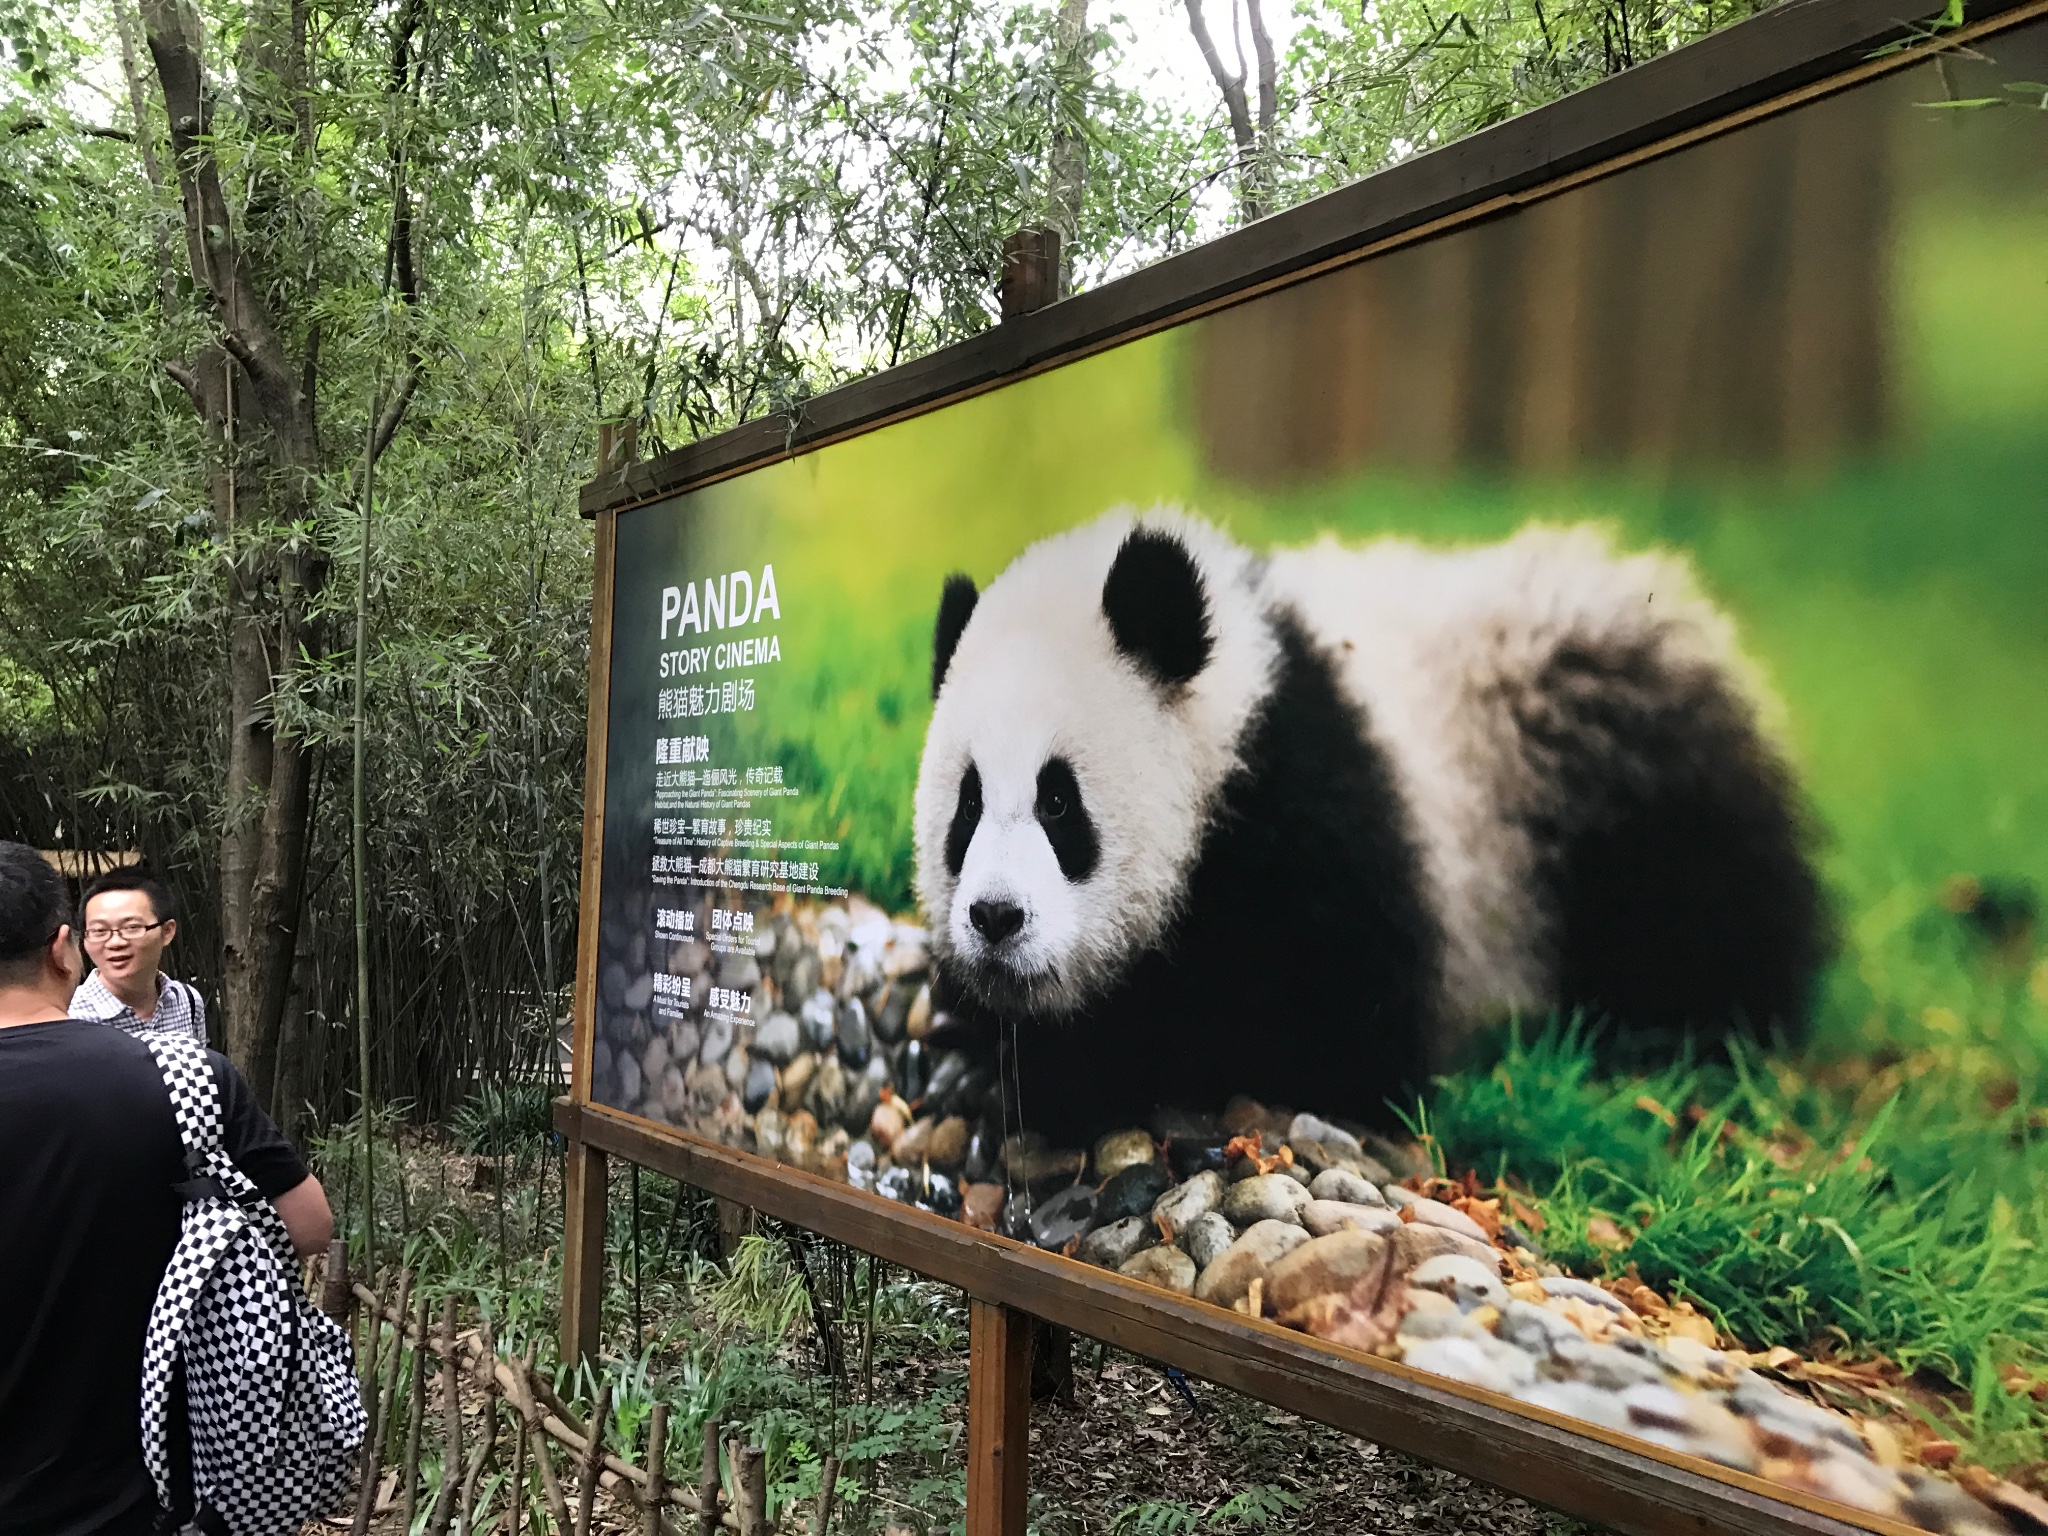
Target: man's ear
<point x="64" y="957"/>
<point x="170" y="930"/>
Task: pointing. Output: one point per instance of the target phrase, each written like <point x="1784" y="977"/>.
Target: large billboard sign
<point x="1119" y="809"/>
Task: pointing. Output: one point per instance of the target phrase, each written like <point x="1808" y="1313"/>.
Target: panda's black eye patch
<point x="1064" y="817"/>
<point x="966" y="817"/>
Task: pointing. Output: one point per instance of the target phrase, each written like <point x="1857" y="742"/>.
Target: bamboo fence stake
<point x="336" y="1299"/>
<point x="657" y="1471"/>
<point x="371" y="1469"/>
<point x="707" y="1482"/>
<point x="558" y="1504"/>
<point x="475" y="1356"/>
<point x="515" y="1489"/>
<point x="473" y="1478"/>
<point x="399" y="1313"/>
<point x="753" y="1491"/>
<point x="593" y="1458"/>
<point x="415" y="1420"/>
<point x="828" y="1480"/>
<point x="451" y="1426"/>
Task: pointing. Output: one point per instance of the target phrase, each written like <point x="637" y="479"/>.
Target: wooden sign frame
<point x="1803" y="50"/>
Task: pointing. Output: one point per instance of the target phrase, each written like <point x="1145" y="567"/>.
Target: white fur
<point x="1037" y="674"/>
<point x="1440" y="646"/>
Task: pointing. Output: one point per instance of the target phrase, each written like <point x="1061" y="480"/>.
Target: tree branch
<point x="187" y="380"/>
<point x="1232" y="86"/>
<point x="1269" y="73"/>
<point x="394" y="414"/>
<point x="1249" y="192"/>
<point x="33" y="124"/>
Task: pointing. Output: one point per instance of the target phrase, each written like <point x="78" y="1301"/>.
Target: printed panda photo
<point x="1488" y="806"/>
<point x="1439" y="788"/>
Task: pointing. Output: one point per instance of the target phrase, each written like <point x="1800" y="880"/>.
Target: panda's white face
<point x="1088" y="708"/>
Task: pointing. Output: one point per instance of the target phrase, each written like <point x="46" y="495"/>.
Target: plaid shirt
<point x="179" y="1009"/>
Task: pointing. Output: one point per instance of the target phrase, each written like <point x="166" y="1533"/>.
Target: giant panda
<point x="1192" y="823"/>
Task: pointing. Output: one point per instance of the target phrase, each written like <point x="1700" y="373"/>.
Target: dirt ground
<point x="1131" y="1437"/>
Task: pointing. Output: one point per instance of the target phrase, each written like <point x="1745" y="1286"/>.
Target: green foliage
<point x="1249" y="1509"/>
<point x="761" y="1293"/>
<point x="1376" y="84"/>
<point x="1899" y="1211"/>
<point x="499" y="1118"/>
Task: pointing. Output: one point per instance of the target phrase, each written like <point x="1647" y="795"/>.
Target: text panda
<point x="1199" y="823"/>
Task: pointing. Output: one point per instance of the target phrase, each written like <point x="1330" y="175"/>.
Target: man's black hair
<point x="33" y="906"/>
<point x="131" y="879"/>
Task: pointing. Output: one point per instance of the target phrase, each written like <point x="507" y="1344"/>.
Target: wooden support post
<point x="1031" y="271"/>
<point x="735" y="1221"/>
<point x="582" y="1252"/>
<point x="998" y="1418"/>
<point x="1052" y="1364"/>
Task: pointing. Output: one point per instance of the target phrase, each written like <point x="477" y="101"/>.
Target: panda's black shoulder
<point x="1310" y="880"/>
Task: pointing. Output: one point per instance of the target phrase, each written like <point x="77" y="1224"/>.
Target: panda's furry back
<point x="1576" y="733"/>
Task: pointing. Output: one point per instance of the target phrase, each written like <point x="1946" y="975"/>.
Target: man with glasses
<point x="128" y="925"/>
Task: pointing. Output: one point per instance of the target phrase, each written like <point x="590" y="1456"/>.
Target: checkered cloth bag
<point x="270" y="1388"/>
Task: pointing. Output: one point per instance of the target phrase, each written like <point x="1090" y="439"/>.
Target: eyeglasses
<point x="132" y="930"/>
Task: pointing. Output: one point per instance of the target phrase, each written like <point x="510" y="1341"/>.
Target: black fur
<point x="966" y="817"/>
<point x="1673" y="857"/>
<point x="1307" y="845"/>
<point x="1156" y="608"/>
<point x="956" y="607"/>
<point x="1063" y="814"/>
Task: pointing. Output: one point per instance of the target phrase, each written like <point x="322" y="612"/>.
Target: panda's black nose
<point x="995" y="920"/>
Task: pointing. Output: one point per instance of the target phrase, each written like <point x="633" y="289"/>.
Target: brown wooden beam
<point x="583" y="1215"/>
<point x="1628" y="1485"/>
<point x="998" y="1418"/>
<point x="596" y="736"/>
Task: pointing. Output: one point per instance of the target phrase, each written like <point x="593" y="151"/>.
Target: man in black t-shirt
<point x="89" y="1151"/>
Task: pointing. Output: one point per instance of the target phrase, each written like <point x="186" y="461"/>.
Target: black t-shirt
<point x="89" y="1151"/>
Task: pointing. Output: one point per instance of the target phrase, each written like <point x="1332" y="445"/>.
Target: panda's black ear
<point x="1157" y="609"/>
<point x="956" y="607"/>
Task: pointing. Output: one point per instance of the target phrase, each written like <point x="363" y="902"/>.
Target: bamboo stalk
<point x="415" y="1421"/>
<point x="828" y="1481"/>
<point x="707" y="1482"/>
<point x="451" y="1424"/>
<point x="593" y="1459"/>
<point x="657" y="1470"/>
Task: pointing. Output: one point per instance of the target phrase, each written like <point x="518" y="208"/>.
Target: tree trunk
<point x="1069" y="159"/>
<point x="259" y="419"/>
